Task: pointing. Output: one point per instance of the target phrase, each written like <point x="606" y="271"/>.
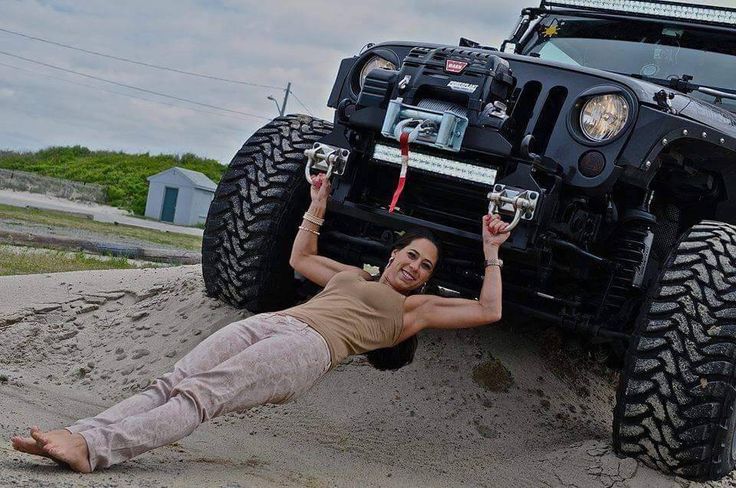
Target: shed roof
<point x="197" y="179"/>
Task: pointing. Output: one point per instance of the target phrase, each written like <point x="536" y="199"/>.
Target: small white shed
<point x="180" y="196"/>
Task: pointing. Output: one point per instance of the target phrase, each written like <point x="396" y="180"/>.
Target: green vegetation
<point x="17" y="261"/>
<point x="124" y="175"/>
<point x="61" y="219"/>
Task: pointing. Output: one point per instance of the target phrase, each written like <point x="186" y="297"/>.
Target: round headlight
<point x="373" y="63"/>
<point x="603" y="117"/>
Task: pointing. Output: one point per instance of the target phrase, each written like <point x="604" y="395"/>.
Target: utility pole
<point x="282" y="108"/>
<point x="286" y="97"/>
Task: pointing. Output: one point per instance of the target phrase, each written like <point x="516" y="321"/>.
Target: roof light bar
<point x="434" y="164"/>
<point x="673" y="10"/>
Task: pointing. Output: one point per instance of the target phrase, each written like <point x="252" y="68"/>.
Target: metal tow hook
<point x="327" y="159"/>
<point x="522" y="204"/>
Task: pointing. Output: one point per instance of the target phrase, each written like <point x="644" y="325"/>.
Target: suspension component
<point x="632" y="248"/>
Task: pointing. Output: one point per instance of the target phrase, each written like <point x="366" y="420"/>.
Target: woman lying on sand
<point x="274" y="357"/>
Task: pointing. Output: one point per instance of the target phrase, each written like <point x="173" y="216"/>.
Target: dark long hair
<point x="402" y="354"/>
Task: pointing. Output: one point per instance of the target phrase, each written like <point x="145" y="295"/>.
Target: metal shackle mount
<point x="512" y="201"/>
<point x="326" y="159"/>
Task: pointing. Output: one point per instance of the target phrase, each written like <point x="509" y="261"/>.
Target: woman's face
<point x="411" y="266"/>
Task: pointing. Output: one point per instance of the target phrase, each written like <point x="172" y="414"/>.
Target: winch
<point x="449" y="90"/>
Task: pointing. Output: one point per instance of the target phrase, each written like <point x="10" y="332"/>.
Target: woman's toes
<point x="39" y="436"/>
<point x="17" y="442"/>
<point x="28" y="445"/>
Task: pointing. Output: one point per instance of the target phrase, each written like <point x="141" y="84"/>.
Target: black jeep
<point x="604" y="131"/>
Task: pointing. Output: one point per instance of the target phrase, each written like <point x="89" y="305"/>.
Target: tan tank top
<point x="353" y="315"/>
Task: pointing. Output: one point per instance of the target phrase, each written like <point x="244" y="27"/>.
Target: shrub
<point x="124" y="175"/>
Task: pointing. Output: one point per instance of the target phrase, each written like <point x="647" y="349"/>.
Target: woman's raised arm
<point x="427" y="311"/>
<point x="304" y="257"/>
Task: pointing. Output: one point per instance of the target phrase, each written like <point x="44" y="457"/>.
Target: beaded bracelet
<point x="493" y="262"/>
<point x="301" y="227"/>
<point x="313" y="219"/>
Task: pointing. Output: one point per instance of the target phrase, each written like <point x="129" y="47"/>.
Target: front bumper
<point x="447" y="196"/>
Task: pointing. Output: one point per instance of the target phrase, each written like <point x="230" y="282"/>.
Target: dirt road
<point x="491" y="407"/>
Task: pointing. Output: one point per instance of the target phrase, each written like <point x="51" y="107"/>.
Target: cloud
<point x="263" y="42"/>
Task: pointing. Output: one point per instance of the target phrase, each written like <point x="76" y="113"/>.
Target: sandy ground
<point x="39" y="251"/>
<point x="490" y="407"/>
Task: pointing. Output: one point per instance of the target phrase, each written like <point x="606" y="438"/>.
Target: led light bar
<point x="434" y="164"/>
<point x="672" y="10"/>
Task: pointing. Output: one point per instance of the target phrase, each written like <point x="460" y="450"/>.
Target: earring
<point x="423" y="288"/>
<point x="390" y="260"/>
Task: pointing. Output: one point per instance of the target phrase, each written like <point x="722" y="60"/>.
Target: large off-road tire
<point x="254" y="215"/>
<point x="676" y="397"/>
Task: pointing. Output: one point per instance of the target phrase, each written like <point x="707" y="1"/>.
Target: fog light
<point x="592" y="163"/>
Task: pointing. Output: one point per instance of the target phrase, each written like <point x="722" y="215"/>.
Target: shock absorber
<point x="631" y="249"/>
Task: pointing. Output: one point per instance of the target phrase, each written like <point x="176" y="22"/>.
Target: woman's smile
<point x="406" y="275"/>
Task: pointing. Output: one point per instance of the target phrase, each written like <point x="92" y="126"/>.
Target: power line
<point x="301" y="103"/>
<point x="152" y="65"/>
<point x="35" y="73"/>
<point x="132" y="87"/>
<point x="140" y="63"/>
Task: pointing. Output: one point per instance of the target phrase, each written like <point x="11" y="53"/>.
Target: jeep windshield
<point x="651" y="49"/>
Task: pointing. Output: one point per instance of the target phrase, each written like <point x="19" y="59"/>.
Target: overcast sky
<point x="262" y="42"/>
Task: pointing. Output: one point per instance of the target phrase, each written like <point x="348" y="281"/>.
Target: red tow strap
<point x="404" y="143"/>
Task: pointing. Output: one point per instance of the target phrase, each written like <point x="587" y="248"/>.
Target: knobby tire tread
<point x="253" y="216"/>
<point x="675" y="400"/>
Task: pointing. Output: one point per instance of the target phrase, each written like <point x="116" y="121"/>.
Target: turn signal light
<point x="592" y="163"/>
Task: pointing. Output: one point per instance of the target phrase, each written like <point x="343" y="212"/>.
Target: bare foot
<point x="29" y="445"/>
<point x="65" y="448"/>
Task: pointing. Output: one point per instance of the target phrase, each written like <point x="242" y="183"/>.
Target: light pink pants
<point x="265" y="358"/>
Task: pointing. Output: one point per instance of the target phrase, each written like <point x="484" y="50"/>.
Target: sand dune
<point x="494" y="407"/>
